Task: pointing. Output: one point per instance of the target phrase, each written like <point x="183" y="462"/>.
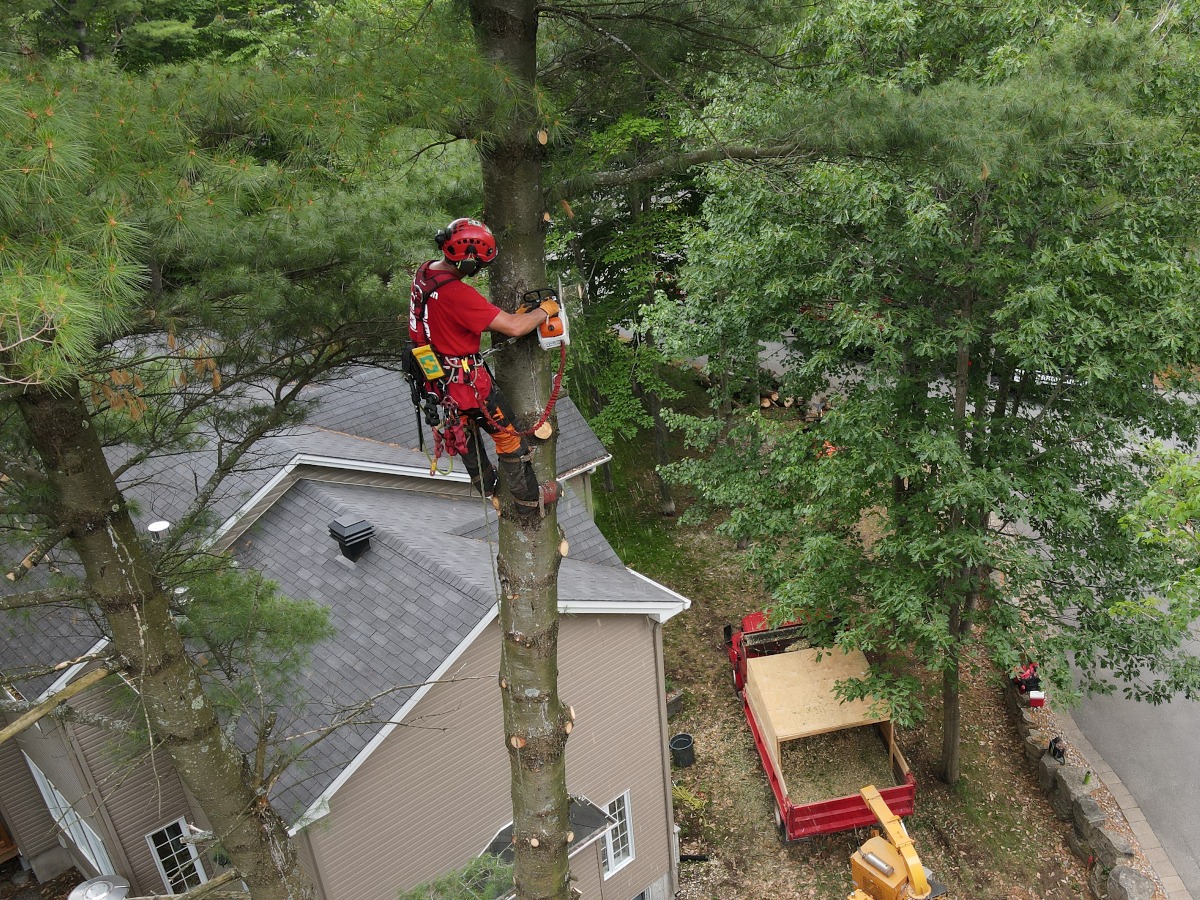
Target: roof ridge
<point x="415" y="554"/>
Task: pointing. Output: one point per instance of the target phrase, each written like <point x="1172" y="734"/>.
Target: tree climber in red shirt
<point x="446" y="320"/>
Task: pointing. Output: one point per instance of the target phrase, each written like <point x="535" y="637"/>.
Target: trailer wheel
<point x="736" y="691"/>
<point x="780" y="828"/>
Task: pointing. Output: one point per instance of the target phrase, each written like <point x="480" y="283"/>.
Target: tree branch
<point x="674" y="162"/>
<point x="31" y="599"/>
<point x="207" y="891"/>
<point x="38" y="553"/>
<point x="51" y="703"/>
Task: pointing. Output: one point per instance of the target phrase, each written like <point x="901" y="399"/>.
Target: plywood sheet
<point x="793" y="693"/>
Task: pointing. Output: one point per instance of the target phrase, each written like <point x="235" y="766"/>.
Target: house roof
<point x="405" y="610"/>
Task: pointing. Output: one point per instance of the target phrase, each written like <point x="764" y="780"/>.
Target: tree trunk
<point x="536" y="723"/>
<point x="120" y="573"/>
<point x="662" y="455"/>
<point x="951" y="767"/>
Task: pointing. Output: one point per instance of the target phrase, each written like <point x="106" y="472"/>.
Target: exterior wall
<point x="48" y="745"/>
<point x="141" y="793"/>
<point x="581" y="484"/>
<point x="25" y="813"/>
<point x="433" y="795"/>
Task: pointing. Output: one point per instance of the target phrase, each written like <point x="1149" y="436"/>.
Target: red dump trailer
<point x="787" y="693"/>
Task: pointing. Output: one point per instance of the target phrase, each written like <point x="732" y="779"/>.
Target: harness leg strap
<point x="523" y="484"/>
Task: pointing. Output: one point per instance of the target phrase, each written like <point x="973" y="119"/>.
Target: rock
<point x="1098" y="880"/>
<point x="1069" y="786"/>
<point x="1078" y="847"/>
<point x="1026" y="721"/>
<point x="1035" y="745"/>
<point x="1125" y="883"/>
<point x="1089" y="817"/>
<point x="1048" y="768"/>
<point x="1111" y="847"/>
<point x="21" y="876"/>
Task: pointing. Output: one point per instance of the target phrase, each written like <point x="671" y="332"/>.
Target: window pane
<point x="181" y="872"/>
<point x="617" y="848"/>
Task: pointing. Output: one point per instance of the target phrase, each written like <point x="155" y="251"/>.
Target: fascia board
<point x="586" y="467"/>
<point x="660" y="612"/>
<point x="319" y="808"/>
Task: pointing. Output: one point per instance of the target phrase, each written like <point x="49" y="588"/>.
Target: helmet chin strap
<point x="468" y="266"/>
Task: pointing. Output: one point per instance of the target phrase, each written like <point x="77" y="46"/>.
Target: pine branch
<point x="672" y="163"/>
<point x="30" y="599"/>
<point x="13" y="469"/>
<point x="38" y="553"/>
<point x="48" y="705"/>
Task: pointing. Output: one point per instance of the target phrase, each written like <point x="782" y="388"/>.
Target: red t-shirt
<point x="456" y="314"/>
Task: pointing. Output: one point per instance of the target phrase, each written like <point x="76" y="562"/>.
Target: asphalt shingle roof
<point x="401" y="610"/>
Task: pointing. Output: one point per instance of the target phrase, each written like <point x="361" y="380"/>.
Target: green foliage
<point x="986" y="298"/>
<point x="483" y="878"/>
<point x="685" y="799"/>
<point x="143" y="33"/>
<point x="253" y="642"/>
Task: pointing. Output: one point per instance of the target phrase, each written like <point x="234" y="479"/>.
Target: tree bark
<point x="536" y="723"/>
<point x="120" y="572"/>
<point x="951" y="684"/>
<point x="951" y="768"/>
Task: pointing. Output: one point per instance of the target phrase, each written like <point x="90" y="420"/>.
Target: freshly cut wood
<point x="835" y="764"/>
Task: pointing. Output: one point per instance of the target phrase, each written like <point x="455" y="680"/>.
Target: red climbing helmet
<point x="467" y="244"/>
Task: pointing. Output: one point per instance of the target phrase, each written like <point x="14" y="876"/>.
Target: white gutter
<point x="68" y="676"/>
<point x="586" y="467"/>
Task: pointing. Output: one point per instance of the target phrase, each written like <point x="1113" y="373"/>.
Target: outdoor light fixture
<point x="157" y="529"/>
<point x="353" y="535"/>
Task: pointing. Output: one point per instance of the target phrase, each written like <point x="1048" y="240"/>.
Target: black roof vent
<point x="353" y="535"/>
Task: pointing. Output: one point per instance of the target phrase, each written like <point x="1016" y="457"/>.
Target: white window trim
<point x="192" y="851"/>
<point x="79" y="832"/>
<point x="608" y="837"/>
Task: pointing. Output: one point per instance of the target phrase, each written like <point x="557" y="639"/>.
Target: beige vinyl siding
<point x="49" y="746"/>
<point x="617" y="744"/>
<point x="21" y="803"/>
<point x="433" y="795"/>
<point x="140" y="793"/>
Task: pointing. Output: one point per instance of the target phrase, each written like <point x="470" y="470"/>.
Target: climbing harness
<point x="430" y="374"/>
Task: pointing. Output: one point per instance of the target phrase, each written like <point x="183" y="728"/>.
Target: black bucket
<point x="683" y="753"/>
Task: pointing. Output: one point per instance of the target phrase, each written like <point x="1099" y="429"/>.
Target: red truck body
<point x="800" y="820"/>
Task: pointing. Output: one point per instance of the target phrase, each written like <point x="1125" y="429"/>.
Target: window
<point x="178" y="860"/>
<point x="617" y="849"/>
<point x="81" y="834"/>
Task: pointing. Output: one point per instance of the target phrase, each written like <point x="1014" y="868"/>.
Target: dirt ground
<point x="58" y="889"/>
<point x="991" y="837"/>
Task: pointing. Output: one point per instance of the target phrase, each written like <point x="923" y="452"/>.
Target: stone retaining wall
<point x="1098" y="836"/>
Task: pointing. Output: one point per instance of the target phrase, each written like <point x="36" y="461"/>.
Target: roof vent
<point x="353" y="535"/>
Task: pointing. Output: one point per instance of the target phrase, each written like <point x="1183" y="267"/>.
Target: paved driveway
<point x="1155" y="752"/>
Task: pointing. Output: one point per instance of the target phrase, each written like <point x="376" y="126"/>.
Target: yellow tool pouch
<point x="429" y="362"/>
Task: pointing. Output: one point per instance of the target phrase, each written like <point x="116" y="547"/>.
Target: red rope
<point x="554" y="391"/>
<point x="562" y="367"/>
